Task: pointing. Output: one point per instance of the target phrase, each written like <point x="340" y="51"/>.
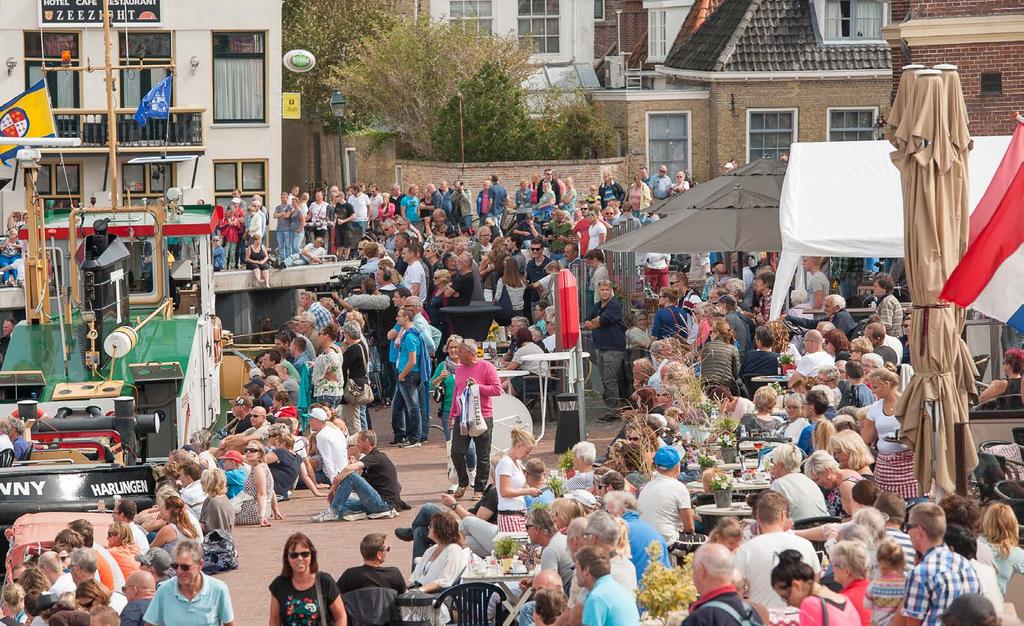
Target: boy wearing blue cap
<point x="664" y="503"/>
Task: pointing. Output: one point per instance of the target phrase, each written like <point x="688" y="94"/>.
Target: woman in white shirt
<point x="894" y="465"/>
<point x="513" y="283"/>
<point x="795" y="419"/>
<point x="512" y="489"/>
<point x="441" y="565"/>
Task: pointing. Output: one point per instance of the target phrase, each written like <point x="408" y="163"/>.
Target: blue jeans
<point x="362" y="227"/>
<point x="298" y="239"/>
<point x="285" y="248"/>
<point x="355" y="495"/>
<point x="421" y="527"/>
<point x="526" y="614"/>
<point x="405" y="409"/>
<point x="5" y="261"/>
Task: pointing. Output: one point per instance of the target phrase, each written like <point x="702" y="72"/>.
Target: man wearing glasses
<point x="536" y="269"/>
<point x="192" y="597"/>
<point x="139" y="589"/>
<point x="372" y="573"/>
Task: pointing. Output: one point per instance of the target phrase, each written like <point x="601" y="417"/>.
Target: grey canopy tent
<point x="763" y="176"/>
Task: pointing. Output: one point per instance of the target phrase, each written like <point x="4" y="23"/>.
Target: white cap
<point x="318" y="414"/>
<point x="236" y="200"/>
<point x="582" y="496"/>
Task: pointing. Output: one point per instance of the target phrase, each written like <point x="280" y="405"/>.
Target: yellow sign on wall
<point x="291" y="106"/>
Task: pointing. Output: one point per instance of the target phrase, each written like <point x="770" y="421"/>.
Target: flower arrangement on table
<point x="786" y="363"/>
<point x="664" y="591"/>
<point x="721" y="482"/>
<point x="557" y="486"/>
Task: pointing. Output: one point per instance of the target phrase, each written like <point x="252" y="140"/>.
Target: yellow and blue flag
<point x="27" y="115"/>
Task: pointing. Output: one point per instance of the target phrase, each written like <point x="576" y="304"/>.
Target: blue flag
<point x="156" y="103"/>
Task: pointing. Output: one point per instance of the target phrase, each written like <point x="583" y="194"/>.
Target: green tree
<point x="493" y="118"/>
<point x="570" y="127"/>
<point x="333" y="31"/>
<point x="407" y="75"/>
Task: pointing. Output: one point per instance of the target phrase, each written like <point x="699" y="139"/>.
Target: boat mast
<point x="108" y="70"/>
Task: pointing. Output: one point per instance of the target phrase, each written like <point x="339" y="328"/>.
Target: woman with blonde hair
<point x="259" y="489"/>
<point x="122" y="547"/>
<point x="824" y="432"/>
<point x="851" y="452"/>
<point x="217" y="512"/>
<point x="720" y="360"/>
<point x="727" y="532"/>
<point x="999" y="530"/>
<point x="564" y="510"/>
<point x="763" y="420"/>
<point x="894" y="467"/>
<point x="511" y="481"/>
<point x="177" y="525"/>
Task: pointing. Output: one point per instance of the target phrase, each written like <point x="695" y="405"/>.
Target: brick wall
<point x="924" y="9"/>
<point x="634" y="26"/>
<point x="584" y="173"/>
<point x="988" y="114"/>
<point x="811" y="99"/>
<point x="630" y="120"/>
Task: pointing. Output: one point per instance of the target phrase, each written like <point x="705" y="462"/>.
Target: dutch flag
<point x="989" y="277"/>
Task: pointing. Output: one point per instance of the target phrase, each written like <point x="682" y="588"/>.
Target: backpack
<point x="219" y="552"/>
<point x="749" y="617"/>
<point x="852" y="399"/>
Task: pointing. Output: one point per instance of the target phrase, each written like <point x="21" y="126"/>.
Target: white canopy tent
<point x="844" y="199"/>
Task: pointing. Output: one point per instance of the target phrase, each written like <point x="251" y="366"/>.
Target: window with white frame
<point x="851" y="124"/>
<point x="239" y="77"/>
<point x="853" y="19"/>
<point x="599" y="10"/>
<point x="770" y="133"/>
<point x="668" y="141"/>
<point x="477" y="14"/>
<point x="538" y="24"/>
<point x="140" y="50"/>
<point x="657" y="34"/>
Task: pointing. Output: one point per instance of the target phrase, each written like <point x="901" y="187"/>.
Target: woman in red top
<point x="582" y="230"/>
<point x="851" y="565"/>
<point x="231" y="230"/>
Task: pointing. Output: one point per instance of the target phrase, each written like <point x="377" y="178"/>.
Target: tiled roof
<point x="769" y="36"/>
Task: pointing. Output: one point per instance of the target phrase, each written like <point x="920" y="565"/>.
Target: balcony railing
<point x="184" y="128"/>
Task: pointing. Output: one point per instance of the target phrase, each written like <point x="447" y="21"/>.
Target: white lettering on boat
<point x="119" y="488"/>
<point x="22" y="488"/>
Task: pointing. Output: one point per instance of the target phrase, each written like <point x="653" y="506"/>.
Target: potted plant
<point x="786" y="364"/>
<point x="565" y="463"/>
<point x="721" y="485"/>
<point x="705" y="462"/>
<point x="557" y="486"/>
<point x="728" y="443"/>
<point x="665" y="591"/>
<point x="505" y="550"/>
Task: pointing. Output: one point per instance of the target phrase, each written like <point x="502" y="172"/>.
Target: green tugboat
<point x="109" y="365"/>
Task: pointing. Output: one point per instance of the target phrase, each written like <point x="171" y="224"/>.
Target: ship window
<point x="140" y="266"/>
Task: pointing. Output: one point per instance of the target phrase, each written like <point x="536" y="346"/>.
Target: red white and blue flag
<point x="989" y="277"/>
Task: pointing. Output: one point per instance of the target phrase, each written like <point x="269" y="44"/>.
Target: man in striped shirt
<point x="894" y="508"/>
<point x="941" y="576"/>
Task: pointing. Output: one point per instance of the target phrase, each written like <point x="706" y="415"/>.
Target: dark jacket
<point x="741" y="327"/>
<point x="617" y="192"/>
<point x="611" y="335"/>
<point x="720" y="365"/>
<point x="841" y="320"/>
<point x="701" y="615"/>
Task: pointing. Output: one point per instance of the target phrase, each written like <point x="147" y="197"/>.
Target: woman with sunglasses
<point x="123" y="548"/>
<point x="796" y="584"/>
<point x="259" y="487"/>
<point x="91" y="593"/>
<point x="303" y="595"/>
<point x="177" y="525"/>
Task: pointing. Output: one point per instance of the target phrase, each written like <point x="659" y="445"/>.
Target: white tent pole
<point x="784" y="273"/>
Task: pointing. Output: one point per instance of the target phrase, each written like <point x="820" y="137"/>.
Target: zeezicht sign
<point x="62" y="13"/>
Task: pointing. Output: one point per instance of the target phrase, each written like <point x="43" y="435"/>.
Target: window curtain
<point x="833" y="19"/>
<point x="135" y="84"/>
<point x="869" y="19"/>
<point x="60" y="84"/>
<point x="238" y="89"/>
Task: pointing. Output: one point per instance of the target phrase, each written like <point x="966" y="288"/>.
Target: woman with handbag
<point x="303" y="595"/>
<point x="354" y="368"/>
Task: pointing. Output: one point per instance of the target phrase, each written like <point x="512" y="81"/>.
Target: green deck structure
<point x="37" y="347"/>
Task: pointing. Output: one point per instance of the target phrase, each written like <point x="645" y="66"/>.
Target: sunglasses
<point x="302" y="554"/>
<point x="537" y="249"/>
<point x="181" y="567"/>
<point x="247" y="450"/>
<point x="911" y="527"/>
<point x="632" y="439"/>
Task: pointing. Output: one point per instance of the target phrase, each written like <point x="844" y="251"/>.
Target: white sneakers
<point x="330" y="515"/>
<point x="327" y="515"/>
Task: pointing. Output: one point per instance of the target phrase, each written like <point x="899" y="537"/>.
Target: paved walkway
<point x="423" y="476"/>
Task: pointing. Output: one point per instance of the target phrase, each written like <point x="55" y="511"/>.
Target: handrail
<point x="122" y="111"/>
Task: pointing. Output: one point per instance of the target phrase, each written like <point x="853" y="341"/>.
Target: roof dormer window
<point x="853" y="20"/>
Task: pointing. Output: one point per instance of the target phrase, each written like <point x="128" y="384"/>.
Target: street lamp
<point x="338" y="103"/>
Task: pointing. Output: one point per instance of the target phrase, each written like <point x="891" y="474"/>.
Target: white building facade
<point x="561" y="31"/>
<point x="225" y="104"/>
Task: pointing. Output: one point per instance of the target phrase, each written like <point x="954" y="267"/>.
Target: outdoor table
<point x="509" y="583"/>
<point x="736" y="510"/>
<point x="728" y="467"/>
<point x="548" y="357"/>
<point x="512" y="373"/>
<point x="770" y="379"/>
<point x="737" y="485"/>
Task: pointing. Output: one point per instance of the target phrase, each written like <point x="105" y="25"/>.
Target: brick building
<point x="754" y="77"/>
<point x="983" y="38"/>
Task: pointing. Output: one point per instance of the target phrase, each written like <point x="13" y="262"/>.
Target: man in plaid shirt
<point x="321" y="316"/>
<point x="941" y="575"/>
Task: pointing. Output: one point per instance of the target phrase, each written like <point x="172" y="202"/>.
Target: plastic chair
<point x="468" y="604"/>
<point x="370" y="606"/>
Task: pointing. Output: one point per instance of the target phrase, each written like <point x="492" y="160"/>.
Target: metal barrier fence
<point x="623" y="271"/>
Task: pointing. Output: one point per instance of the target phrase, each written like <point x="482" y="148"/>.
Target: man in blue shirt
<point x="608" y="603"/>
<point x="661" y="185"/>
<point x="405" y="407"/>
<point x="609" y="334"/>
<point x="641" y="534"/>
<point x="191" y="597"/>
<point x="500" y="196"/>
